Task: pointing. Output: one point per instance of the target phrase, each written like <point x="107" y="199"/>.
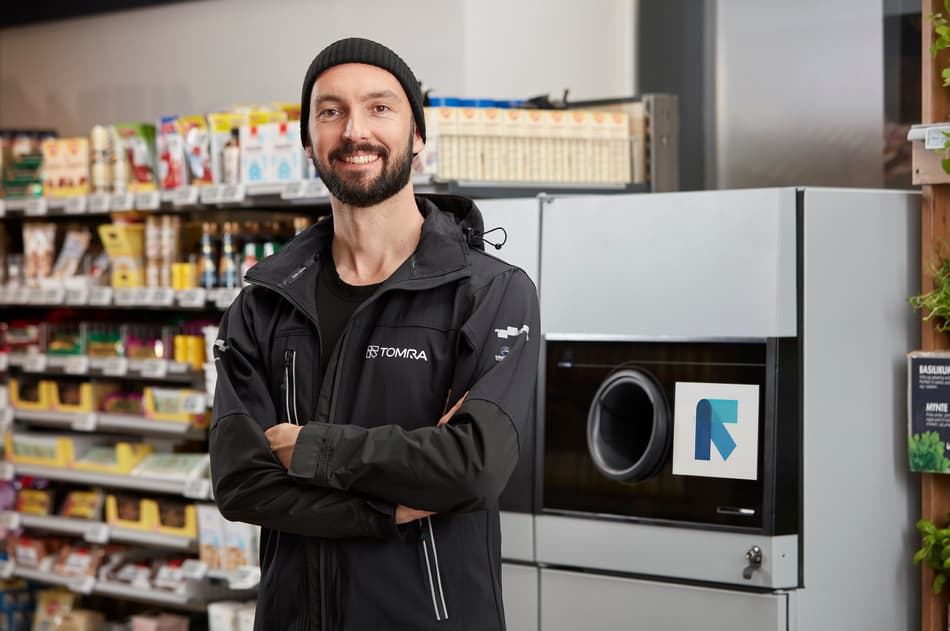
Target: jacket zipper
<point x="290" y="386"/>
<point x="427" y="537"/>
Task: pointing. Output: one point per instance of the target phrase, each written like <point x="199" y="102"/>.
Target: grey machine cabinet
<point x="830" y="268"/>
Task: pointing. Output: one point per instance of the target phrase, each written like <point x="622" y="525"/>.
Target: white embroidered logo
<point x="373" y="351"/>
<point x="512" y="332"/>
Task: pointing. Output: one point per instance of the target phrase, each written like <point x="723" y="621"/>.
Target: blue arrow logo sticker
<point x="711" y="414"/>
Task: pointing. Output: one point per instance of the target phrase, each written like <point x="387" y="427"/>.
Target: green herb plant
<point x="937" y="302"/>
<point x="926" y="453"/>
<point x="941" y="43"/>
<point x="935" y="551"/>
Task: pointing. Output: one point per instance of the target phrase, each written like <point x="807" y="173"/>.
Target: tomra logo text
<point x="373" y="351"/>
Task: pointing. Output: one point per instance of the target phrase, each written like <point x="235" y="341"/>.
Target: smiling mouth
<point x="361" y="159"/>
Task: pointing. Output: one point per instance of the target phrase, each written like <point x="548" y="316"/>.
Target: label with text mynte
<point x="928" y="414"/>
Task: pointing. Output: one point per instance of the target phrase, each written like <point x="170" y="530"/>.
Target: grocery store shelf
<point x="151" y="369"/>
<point x="199" y="489"/>
<point x="96" y="531"/>
<point x="103" y="421"/>
<point x="131" y="298"/>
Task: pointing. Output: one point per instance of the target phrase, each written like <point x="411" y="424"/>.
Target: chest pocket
<point x="295" y="376"/>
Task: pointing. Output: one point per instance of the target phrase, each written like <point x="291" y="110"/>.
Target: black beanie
<point x="356" y="50"/>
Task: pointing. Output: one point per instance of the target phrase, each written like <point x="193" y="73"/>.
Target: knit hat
<point x="356" y="50"/>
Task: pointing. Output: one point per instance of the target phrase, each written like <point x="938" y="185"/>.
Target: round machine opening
<point x="628" y="426"/>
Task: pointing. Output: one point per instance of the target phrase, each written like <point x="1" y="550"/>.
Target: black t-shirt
<point x="336" y="302"/>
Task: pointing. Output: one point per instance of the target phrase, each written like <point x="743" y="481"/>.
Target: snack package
<point x="78" y="560"/>
<point x="134" y="169"/>
<point x="171" y="154"/>
<point x="65" y="167"/>
<point x="240" y="545"/>
<point x="70" y="255"/>
<point x="225" y="146"/>
<point x="35" y="501"/>
<point x="270" y="152"/>
<point x="39" y="240"/>
<point x="21" y="159"/>
<point x="210" y="536"/>
<point x="194" y="132"/>
<point x="51" y="606"/>
<point x="81" y="620"/>
<point x="83" y="505"/>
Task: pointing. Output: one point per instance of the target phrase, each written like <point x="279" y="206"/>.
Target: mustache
<point x="348" y="150"/>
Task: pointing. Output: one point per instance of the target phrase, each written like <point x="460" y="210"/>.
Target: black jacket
<point x="450" y="320"/>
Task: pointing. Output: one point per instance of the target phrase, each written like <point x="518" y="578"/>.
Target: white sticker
<point x="115" y="367"/>
<point x="197" y="489"/>
<point x="76" y="365"/>
<point x="244" y="577"/>
<point x="231" y="194"/>
<point x="148" y="200"/>
<point x="6" y="569"/>
<point x="292" y="190"/>
<point x="99" y="203"/>
<point x="78" y="296"/>
<point x="84" y="422"/>
<point x="9" y="520"/>
<point x="194" y="569"/>
<point x="21" y="296"/>
<point x="194" y="404"/>
<point x="7" y="471"/>
<point x="936" y="137"/>
<point x="225" y="297"/>
<point x="75" y="205"/>
<point x="315" y="188"/>
<point x="178" y="368"/>
<point x="716" y="430"/>
<point x="211" y="194"/>
<point x="3" y="208"/>
<point x="53" y="296"/>
<point x="161" y="297"/>
<point x="100" y="296"/>
<point x="4" y="361"/>
<point x="121" y="202"/>
<point x="125" y="297"/>
<point x="154" y="368"/>
<point x="35" y="363"/>
<point x="193" y="297"/>
<point x="97" y="533"/>
<point x="140" y="297"/>
<point x="36" y="207"/>
<point x="34" y="296"/>
<point x="185" y="196"/>
<point x="81" y="584"/>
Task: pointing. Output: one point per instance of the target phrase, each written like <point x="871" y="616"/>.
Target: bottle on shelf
<point x="228" y="264"/>
<point x="208" y="277"/>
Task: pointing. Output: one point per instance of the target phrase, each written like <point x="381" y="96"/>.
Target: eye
<point x="381" y="109"/>
<point x="328" y="112"/>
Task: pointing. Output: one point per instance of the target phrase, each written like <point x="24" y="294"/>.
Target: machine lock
<point x="754" y="556"/>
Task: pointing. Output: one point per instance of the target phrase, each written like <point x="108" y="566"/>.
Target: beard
<point x="359" y="189"/>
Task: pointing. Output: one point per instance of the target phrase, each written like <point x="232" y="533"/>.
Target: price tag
<point x="75" y="205"/>
<point x="161" y="297"/>
<point x="97" y="533"/>
<point x="35" y="363"/>
<point x="9" y="520"/>
<point x="6" y="419"/>
<point x="225" y="297"/>
<point x="210" y="194"/>
<point x="197" y="489"/>
<point x="245" y="577"/>
<point x="315" y="188"/>
<point x="194" y="404"/>
<point x="231" y="194"/>
<point x="53" y="296"/>
<point x="4" y="361"/>
<point x="125" y="297"/>
<point x="36" y="207"/>
<point x="193" y="297"/>
<point x="178" y="368"/>
<point x="121" y="202"/>
<point x="6" y="569"/>
<point x="99" y="203"/>
<point x="7" y="471"/>
<point x="34" y="296"/>
<point x="84" y="422"/>
<point x="154" y="368"/>
<point x="78" y="296"/>
<point x="81" y="584"/>
<point x="292" y="190"/>
<point x="21" y="296"/>
<point x="3" y="208"/>
<point x="100" y="296"/>
<point x="194" y="570"/>
<point x="115" y="367"/>
<point x="76" y="365"/>
<point x="185" y="196"/>
<point x="148" y="200"/>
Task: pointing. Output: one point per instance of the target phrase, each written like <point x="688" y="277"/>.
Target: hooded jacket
<point x="450" y="320"/>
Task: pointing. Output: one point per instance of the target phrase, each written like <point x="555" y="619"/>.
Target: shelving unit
<point x="96" y="531"/>
<point x="196" y="488"/>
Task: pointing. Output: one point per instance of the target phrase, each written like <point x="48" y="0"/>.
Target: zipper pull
<point x="423" y="535"/>
<point x="288" y="357"/>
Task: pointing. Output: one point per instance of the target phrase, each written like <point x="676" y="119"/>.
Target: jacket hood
<point x="453" y="225"/>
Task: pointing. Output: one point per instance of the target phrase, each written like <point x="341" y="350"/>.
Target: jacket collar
<point x="443" y="253"/>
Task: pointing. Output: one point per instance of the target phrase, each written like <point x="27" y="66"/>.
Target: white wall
<point x="800" y="93"/>
<point x="196" y="57"/>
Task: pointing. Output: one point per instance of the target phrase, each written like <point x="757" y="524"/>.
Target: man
<point x="373" y="380"/>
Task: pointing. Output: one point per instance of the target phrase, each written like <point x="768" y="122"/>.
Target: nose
<point x="355" y="126"/>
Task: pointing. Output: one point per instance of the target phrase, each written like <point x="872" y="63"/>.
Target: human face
<point x="359" y="125"/>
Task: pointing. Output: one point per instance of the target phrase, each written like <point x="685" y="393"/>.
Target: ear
<point x="417" y="142"/>
<point x="308" y="150"/>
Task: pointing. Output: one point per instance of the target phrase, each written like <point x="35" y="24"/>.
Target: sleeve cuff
<point x="309" y="459"/>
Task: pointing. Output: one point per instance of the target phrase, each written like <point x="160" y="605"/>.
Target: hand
<point x="404" y="514"/>
<point x="283" y="438"/>
<point x="451" y="412"/>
